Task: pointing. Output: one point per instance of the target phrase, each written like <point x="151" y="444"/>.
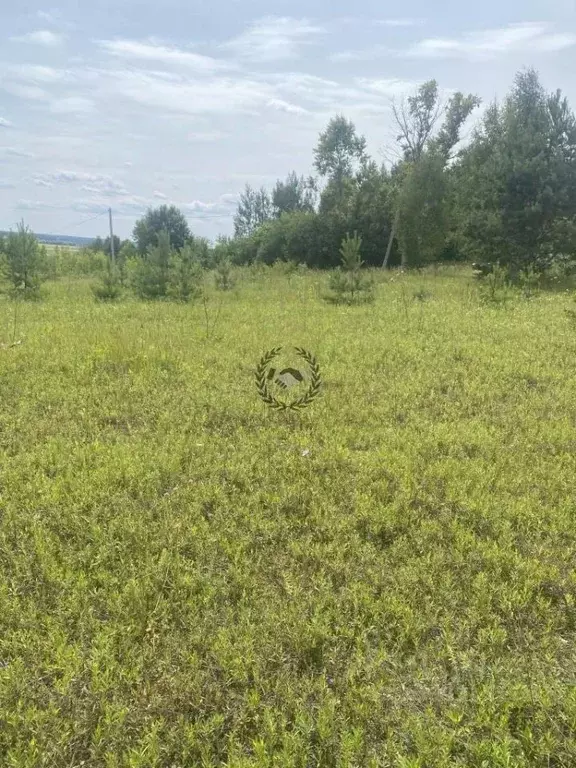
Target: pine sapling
<point x="224" y="277"/>
<point x="186" y="275"/>
<point x="348" y="283"/>
<point x="110" y="286"/>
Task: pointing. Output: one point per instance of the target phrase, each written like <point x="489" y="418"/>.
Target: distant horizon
<point x="45" y="237"/>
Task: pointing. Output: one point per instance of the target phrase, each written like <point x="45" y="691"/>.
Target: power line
<point x="69" y="226"/>
<point x="85" y="221"/>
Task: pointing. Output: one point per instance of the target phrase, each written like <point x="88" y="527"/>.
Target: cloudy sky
<point x="132" y="103"/>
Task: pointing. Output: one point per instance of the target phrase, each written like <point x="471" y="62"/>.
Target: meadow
<point x="385" y="579"/>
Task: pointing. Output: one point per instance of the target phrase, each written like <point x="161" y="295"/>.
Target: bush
<point x="495" y="286"/>
<point x="23" y="265"/>
<point x="224" y="277"/>
<point x="110" y="286"/>
<point x="348" y="284"/>
<point x="186" y="275"/>
<point x="529" y="282"/>
<point x="150" y="275"/>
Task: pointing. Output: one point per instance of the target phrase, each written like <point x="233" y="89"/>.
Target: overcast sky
<point x="132" y="103"/>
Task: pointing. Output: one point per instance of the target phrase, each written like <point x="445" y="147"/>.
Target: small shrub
<point x="186" y="275"/>
<point x="482" y="269"/>
<point x="495" y="286"/>
<point x="150" y="275"/>
<point x="529" y="282"/>
<point x="571" y="313"/>
<point x="348" y="284"/>
<point x="23" y="265"/>
<point x="422" y="295"/>
<point x="110" y="286"/>
<point x="224" y="277"/>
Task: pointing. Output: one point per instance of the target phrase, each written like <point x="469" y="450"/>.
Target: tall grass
<point x="386" y="579"/>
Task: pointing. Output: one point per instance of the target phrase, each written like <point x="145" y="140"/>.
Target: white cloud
<point x="230" y="198"/>
<point x="133" y="205"/>
<point x="554" y="42"/>
<point x="29" y="81"/>
<point x="526" y="36"/>
<point x="38" y="205"/>
<point x="363" y="54"/>
<point x="45" y="16"/>
<point x="160" y="195"/>
<point x="301" y="84"/>
<point x="206" y="136"/>
<point x="407" y="22"/>
<point x="72" y="105"/>
<point x="222" y="208"/>
<point x="108" y="187"/>
<point x="64" y="177"/>
<point x="36" y="73"/>
<point x="27" y="92"/>
<point x="13" y="152"/>
<point x="285" y="106"/>
<point x="321" y="98"/>
<point x="91" y="182"/>
<point x="129" y="205"/>
<point x="5" y="123"/>
<point x="52" y="16"/>
<point x="387" y="87"/>
<point x="273" y="39"/>
<point x="153" y="51"/>
<point x="190" y="96"/>
<point x="41" y="37"/>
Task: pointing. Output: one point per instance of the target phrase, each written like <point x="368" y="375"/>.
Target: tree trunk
<point x="391" y="240"/>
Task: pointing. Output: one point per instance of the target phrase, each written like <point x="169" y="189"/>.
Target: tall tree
<point x="420" y="216"/>
<point x="416" y="117"/>
<point x="294" y="194"/>
<point x="162" y="219"/>
<point x="516" y="182"/>
<point x="340" y="152"/>
<point x="254" y="208"/>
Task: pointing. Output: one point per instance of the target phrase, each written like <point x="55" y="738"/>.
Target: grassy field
<point x="188" y="578"/>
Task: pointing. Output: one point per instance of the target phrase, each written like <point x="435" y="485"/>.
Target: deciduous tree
<point x="167" y="218"/>
<point x="254" y="208"/>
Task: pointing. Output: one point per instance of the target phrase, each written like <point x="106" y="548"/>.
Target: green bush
<point x="224" y="277"/>
<point x="22" y="264"/>
<point x="150" y="274"/>
<point x="348" y="284"/>
<point x="495" y="286"/>
<point x="186" y="275"/>
<point x="110" y="286"/>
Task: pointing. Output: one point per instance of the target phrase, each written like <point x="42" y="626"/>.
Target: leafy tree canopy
<point x="164" y="218"/>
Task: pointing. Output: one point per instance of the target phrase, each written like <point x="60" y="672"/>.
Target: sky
<point x="129" y="104"/>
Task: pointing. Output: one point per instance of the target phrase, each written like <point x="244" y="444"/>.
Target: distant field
<point x="62" y="240"/>
<point x="386" y="579"/>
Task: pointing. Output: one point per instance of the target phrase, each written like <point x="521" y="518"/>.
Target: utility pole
<point x="113" y="255"/>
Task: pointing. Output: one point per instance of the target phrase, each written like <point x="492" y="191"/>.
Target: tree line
<point x="506" y="196"/>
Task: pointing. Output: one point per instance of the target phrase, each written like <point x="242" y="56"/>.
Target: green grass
<point x="386" y="579"/>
